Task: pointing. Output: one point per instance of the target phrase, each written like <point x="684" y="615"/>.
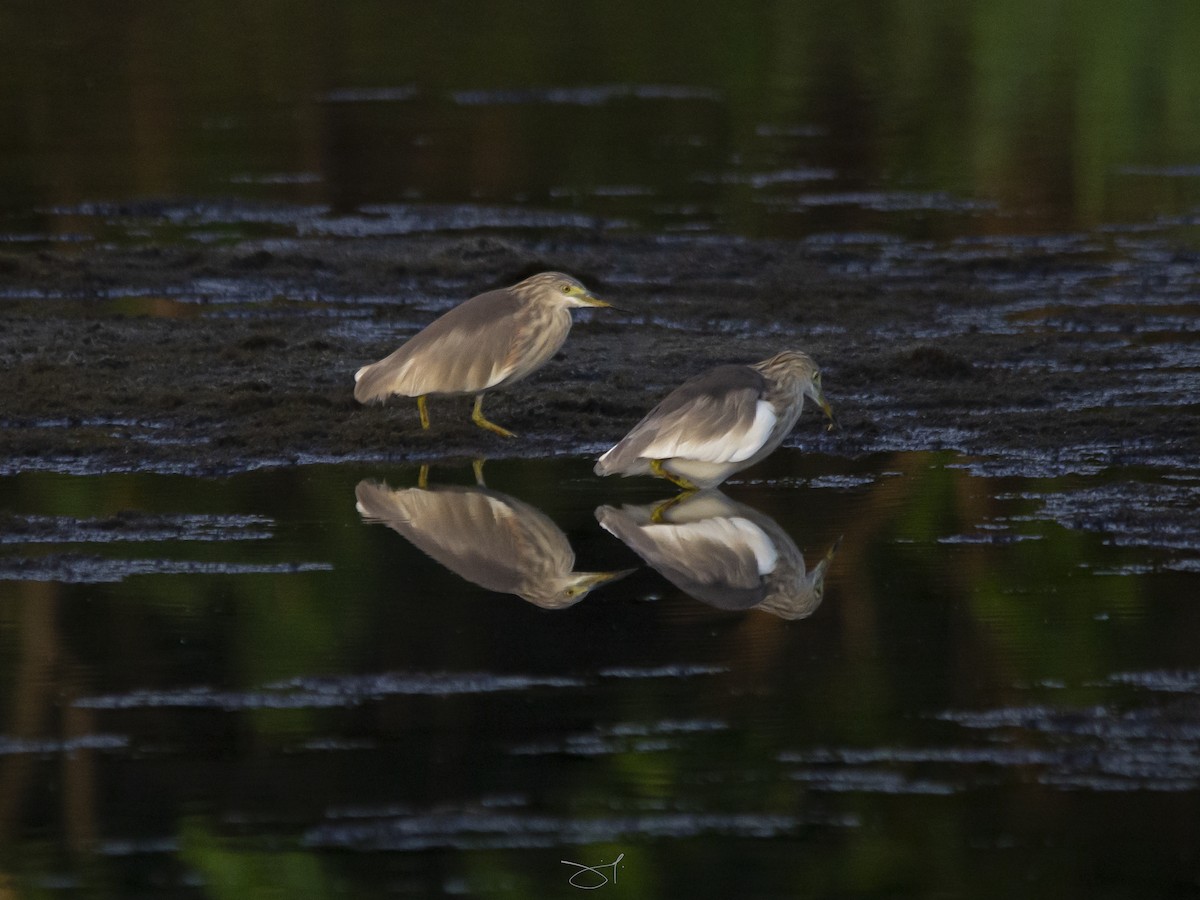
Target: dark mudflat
<point x="203" y="358"/>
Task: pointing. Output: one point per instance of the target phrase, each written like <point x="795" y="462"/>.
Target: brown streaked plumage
<point x="719" y="422"/>
<point x="723" y="553"/>
<point x="489" y="341"/>
<point x="489" y="538"/>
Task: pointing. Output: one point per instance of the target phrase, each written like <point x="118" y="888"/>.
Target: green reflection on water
<point x="1067" y="114"/>
<point x="916" y="622"/>
<point x="231" y="872"/>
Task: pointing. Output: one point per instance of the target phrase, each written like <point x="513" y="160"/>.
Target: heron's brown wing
<point x="716" y="417"/>
<point x="729" y="552"/>
<point x="722" y="561"/>
<point x="464" y="351"/>
<point x="486" y="537"/>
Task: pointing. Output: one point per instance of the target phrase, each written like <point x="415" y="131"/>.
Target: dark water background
<point x="245" y="686"/>
<point x="938" y="118"/>
<point x="235" y="687"/>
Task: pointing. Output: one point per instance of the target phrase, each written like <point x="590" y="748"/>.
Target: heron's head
<point x="800" y="598"/>
<point x="567" y="590"/>
<point x="803" y="371"/>
<point x="556" y="288"/>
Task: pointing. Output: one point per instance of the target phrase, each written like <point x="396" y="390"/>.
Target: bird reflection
<point x="723" y="553"/>
<point x="489" y="538"/>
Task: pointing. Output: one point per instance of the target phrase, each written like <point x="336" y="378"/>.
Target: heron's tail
<point x="375" y="382"/>
<point x="601" y="467"/>
<point x="622" y="459"/>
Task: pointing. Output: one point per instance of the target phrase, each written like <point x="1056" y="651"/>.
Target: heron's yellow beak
<point x="592" y="300"/>
<point x="595" y="579"/>
<point x="825" y="408"/>
<point x="819" y="396"/>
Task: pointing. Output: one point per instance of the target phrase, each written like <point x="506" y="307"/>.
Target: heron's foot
<point x="421" y="408"/>
<point x="478" y="418"/>
<point x="477" y="465"/>
<point x="832" y="551"/>
<point x="657" y="467"/>
<point x="660" y="511"/>
<point x="491" y="426"/>
<point x="423" y="477"/>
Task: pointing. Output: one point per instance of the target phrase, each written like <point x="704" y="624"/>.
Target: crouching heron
<point x="722" y="553"/>
<point x="719" y="422"/>
<point x="486" y="537"/>
<point x="491" y="340"/>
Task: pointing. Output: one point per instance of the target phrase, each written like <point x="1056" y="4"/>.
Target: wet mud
<point x="1043" y="356"/>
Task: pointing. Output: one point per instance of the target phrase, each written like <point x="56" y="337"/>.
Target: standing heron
<point x="723" y="553"/>
<point x="493" y="339"/>
<point x="489" y="538"/>
<point x="719" y="422"/>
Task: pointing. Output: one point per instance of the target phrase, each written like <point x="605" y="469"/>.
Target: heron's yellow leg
<point x="423" y="411"/>
<point x="477" y="465"/>
<point x="478" y="419"/>
<point x="833" y="550"/>
<point x="656" y="466"/>
<point x="423" y="477"/>
<point x="661" y="510"/>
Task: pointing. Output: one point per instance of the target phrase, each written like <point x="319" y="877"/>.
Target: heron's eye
<point x="565" y="288"/>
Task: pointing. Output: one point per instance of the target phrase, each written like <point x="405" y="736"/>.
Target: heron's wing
<point x="486" y="537"/>
<point x="464" y="351"/>
<point x="733" y="552"/>
<point x="717" y="417"/>
<point x="721" y="561"/>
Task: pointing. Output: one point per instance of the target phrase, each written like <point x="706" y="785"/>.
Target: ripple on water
<point x="669" y="671"/>
<point x="1125" y="513"/>
<point x="397" y="94"/>
<point x="319" y="693"/>
<point x="625" y="737"/>
<point x="872" y="781"/>
<point x="279" y="178"/>
<point x="372" y="220"/>
<point x="12" y="746"/>
<point x="1162" y="171"/>
<point x="887" y="201"/>
<point x="771" y="178"/>
<point x="1171" y="682"/>
<point x="133" y="526"/>
<point x="1095" y="748"/>
<point x="70" y="568"/>
<point x="595" y="95"/>
<point x="398" y="219"/>
<point x="1099" y="748"/>
<point x="476" y="829"/>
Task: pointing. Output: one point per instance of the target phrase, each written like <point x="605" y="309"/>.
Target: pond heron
<point x="723" y="553"/>
<point x="491" y="539"/>
<point x="491" y="340"/>
<point x="719" y="422"/>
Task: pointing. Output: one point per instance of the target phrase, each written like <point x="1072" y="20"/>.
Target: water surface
<point x="906" y="674"/>
<point x="928" y="119"/>
<point x="245" y="681"/>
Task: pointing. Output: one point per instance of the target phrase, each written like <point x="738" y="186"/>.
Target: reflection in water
<point x="489" y="538"/>
<point x="723" y="553"/>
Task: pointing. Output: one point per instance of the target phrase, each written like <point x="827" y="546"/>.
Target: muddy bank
<point x="1043" y="355"/>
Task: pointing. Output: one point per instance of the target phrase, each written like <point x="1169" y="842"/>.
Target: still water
<point x="906" y="675"/>
<point x="892" y="676"/>
<point x="931" y="119"/>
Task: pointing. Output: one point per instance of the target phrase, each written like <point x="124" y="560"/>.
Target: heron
<point x="723" y="553"/>
<point x="493" y="339"/>
<point x="489" y="538"/>
<point x="719" y="422"/>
